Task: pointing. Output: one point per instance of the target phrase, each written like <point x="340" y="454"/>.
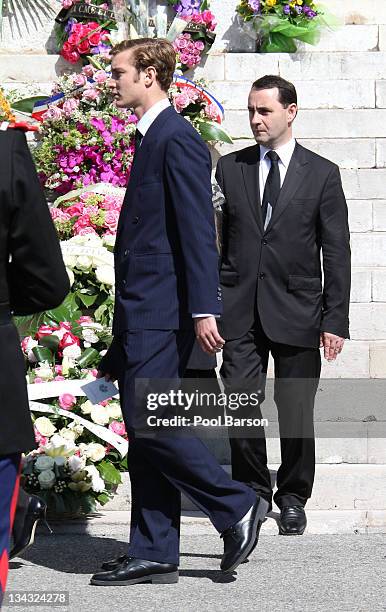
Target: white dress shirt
<point x="151" y="115"/>
<point x="285" y="153"/>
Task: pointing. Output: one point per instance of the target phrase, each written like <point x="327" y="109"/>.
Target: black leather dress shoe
<point x="293" y="520"/>
<point x="108" y="566"/>
<point x="134" y="571"/>
<point x="242" y="537"/>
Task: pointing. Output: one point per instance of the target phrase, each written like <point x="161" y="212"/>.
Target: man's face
<point x="127" y="85"/>
<point x="270" y="121"/>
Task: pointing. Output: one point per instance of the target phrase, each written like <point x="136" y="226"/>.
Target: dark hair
<point x="157" y="52"/>
<point x="287" y="91"/>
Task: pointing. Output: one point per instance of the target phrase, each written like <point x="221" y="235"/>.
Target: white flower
<point x="67" y="434"/>
<point x="97" y="482"/>
<point x="114" y="410"/>
<point x="76" y="463"/>
<point x="45" y="427"/>
<point x="72" y="352"/>
<point x="47" y="479"/>
<point x="109" y="239"/>
<point x="59" y="446"/>
<point x="89" y="335"/>
<point x="100" y="415"/>
<point x="86" y="407"/>
<point x="76" y="428"/>
<point x="70" y="276"/>
<point x="105" y="275"/>
<point x="44" y="463"/>
<point x="84" y="262"/>
<point x="95" y="451"/>
<point x="44" y="372"/>
<point x="67" y="364"/>
<point x="79" y="486"/>
<point x="69" y="260"/>
<point x="59" y="333"/>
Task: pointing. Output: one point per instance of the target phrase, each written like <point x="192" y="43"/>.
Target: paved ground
<point x="318" y="573"/>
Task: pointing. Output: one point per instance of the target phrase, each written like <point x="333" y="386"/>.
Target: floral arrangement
<point x="85" y="138"/>
<point x="199" y="35"/>
<point x="280" y="23"/>
<point x="6" y="113"/>
<point x="87" y="213"/>
<point x="78" y="36"/>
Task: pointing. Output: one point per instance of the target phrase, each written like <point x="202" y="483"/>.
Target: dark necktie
<point x="137" y="140"/>
<point x="272" y="185"/>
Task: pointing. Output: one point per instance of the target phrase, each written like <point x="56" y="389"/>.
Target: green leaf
<point x="26" y="105"/>
<point x="88" y="503"/>
<point x="88" y="356"/>
<point x="51" y="342"/>
<point x="87" y="300"/>
<point x="28" y="326"/>
<point x="109" y="473"/>
<point x="103" y="498"/>
<point x="213" y="132"/>
<point x="43" y="353"/>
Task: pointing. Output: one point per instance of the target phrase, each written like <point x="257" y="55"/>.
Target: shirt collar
<point x="151" y="115"/>
<point x="284" y="152"/>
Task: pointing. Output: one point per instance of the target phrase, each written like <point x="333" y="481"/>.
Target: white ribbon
<point x="54" y="389"/>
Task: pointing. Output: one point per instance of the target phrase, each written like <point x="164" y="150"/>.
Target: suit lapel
<point x="293" y="179"/>
<point x="141" y="158"/>
<point x="250" y="172"/>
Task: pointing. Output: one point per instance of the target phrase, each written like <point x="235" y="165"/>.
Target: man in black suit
<point x="33" y="278"/>
<point x="284" y="206"/>
<point x="166" y="267"/>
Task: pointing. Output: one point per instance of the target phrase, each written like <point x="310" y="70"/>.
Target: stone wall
<point x="342" y="94"/>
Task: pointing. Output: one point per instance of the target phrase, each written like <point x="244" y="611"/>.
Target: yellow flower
<point x="300" y="2"/>
<point x="270" y="2"/>
<point x="5" y="109"/>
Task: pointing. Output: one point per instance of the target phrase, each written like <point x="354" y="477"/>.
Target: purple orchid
<point x="186" y="8"/>
<point x="254" y="5"/>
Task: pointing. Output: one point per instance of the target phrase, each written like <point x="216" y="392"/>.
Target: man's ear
<point x="292" y="112"/>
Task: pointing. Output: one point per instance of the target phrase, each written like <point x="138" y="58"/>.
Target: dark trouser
<point x="163" y="467"/>
<point x="9" y="489"/>
<point x="297" y="372"/>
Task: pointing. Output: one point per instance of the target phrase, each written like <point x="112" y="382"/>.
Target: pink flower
<point x="39" y="439"/>
<point x="68" y="340"/>
<point x="199" y="45"/>
<point x="67" y="401"/>
<point x="84" y="47"/>
<point x="45" y="330"/>
<point x="79" y="80"/>
<point x="53" y="114"/>
<point x="75" y="209"/>
<point x="67" y="3"/>
<point x="58" y="369"/>
<point x="90" y="95"/>
<point x="83" y="231"/>
<point x="101" y="76"/>
<point x="94" y="372"/>
<point x="88" y="71"/>
<point x="181" y="101"/>
<point x="25" y="343"/>
<point x="38" y="380"/>
<point x="111" y="219"/>
<point x="70" y="106"/>
<point x="84" y="319"/>
<point x="59" y="378"/>
<point x="118" y="428"/>
<point x="211" y="111"/>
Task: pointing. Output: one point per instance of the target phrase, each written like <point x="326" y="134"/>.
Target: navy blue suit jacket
<point x="166" y="260"/>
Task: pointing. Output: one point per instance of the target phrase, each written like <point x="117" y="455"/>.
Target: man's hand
<point x="107" y="377"/>
<point x="332" y="344"/>
<point x="207" y="335"/>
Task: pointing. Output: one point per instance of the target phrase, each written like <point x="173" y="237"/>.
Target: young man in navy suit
<point x="166" y="273"/>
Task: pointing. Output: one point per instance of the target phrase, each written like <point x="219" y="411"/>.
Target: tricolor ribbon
<point x="182" y="81"/>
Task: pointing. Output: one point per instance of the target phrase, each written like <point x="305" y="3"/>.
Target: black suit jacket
<point x="34" y="280"/>
<point x="279" y="270"/>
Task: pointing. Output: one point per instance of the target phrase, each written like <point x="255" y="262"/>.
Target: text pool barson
<point x="199" y="421"/>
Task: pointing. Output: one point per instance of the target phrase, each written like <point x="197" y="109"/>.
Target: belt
<point x="5" y="314"/>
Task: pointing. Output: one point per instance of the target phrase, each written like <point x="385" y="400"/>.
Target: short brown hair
<point x="157" y="52"/>
<point x="287" y="91"/>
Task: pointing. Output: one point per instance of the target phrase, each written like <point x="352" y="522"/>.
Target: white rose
<point x="109" y="239"/>
<point x="114" y="410"/>
<point x="67" y="434"/>
<point x="69" y="260"/>
<point x="76" y="428"/>
<point x="97" y="482"/>
<point x="70" y="275"/>
<point x="103" y="258"/>
<point x="44" y="463"/>
<point x="76" y="463"/>
<point x="105" y="275"/>
<point x="89" y="335"/>
<point x="72" y="352"/>
<point x="47" y="479"/>
<point x="45" y="427"/>
<point x="86" y="407"/>
<point x="45" y="372"/>
<point x="59" y="333"/>
<point x="95" y="451"/>
<point x="84" y="262"/>
<point x="100" y="415"/>
<point x="59" y="446"/>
